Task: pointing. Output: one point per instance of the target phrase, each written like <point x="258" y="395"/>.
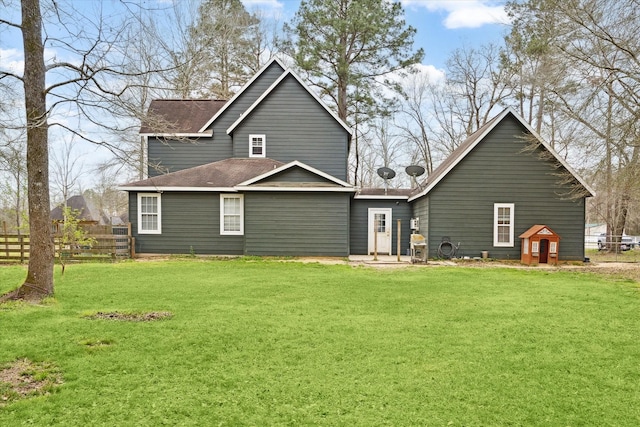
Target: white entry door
<point x="380" y="220"/>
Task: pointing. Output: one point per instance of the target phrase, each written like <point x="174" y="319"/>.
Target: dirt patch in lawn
<point x="130" y="316"/>
<point x="23" y="378"/>
<point x="624" y="270"/>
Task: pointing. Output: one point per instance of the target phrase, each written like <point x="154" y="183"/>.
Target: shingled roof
<point x="223" y="174"/>
<point x="87" y="211"/>
<point x="179" y="116"/>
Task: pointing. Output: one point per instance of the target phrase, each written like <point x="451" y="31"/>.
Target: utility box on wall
<point x="540" y="245"/>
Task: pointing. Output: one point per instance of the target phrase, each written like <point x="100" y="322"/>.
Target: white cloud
<point x="12" y="61"/>
<point x="270" y="4"/>
<point x="430" y="72"/>
<point x="464" y="13"/>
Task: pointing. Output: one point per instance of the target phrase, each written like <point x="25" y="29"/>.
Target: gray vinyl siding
<point x="295" y="174"/>
<point x="461" y="206"/>
<point x="189" y="221"/>
<point x="297" y="224"/>
<point x="296" y="127"/>
<point x="173" y="156"/>
<point x="421" y="211"/>
<point x="359" y="234"/>
<point x="177" y="155"/>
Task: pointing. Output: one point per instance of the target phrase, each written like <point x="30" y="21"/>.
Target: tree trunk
<point x="39" y="282"/>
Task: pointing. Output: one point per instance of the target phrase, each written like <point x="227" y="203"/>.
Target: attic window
<point x="257" y="145"/>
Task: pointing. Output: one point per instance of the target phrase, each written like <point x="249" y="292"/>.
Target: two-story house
<point x="265" y="173"/>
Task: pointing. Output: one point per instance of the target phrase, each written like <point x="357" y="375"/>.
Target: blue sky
<point x="442" y="25"/>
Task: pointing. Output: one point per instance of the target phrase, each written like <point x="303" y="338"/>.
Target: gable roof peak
<point x="279" y="80"/>
<point x="272" y="61"/>
<point x="474" y="139"/>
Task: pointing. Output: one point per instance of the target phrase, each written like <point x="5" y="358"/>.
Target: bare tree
<point x="14" y="169"/>
<point x="416" y="121"/>
<point x="477" y="84"/>
<point x="79" y="84"/>
<point x="39" y="281"/>
<point x="106" y="197"/>
<point x="600" y="45"/>
<point x="66" y="171"/>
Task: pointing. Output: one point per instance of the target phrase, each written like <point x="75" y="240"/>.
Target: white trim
<point x="158" y="196"/>
<point x="161" y="189"/>
<point x="300" y="165"/>
<point x="272" y="88"/>
<point x="145" y="158"/>
<point x="178" y="135"/>
<point x="305" y="189"/>
<point x="236" y="189"/>
<point x="372" y="197"/>
<point x="261" y="136"/>
<point x="511" y="207"/>
<point x="224" y="232"/>
<point x="496" y="121"/>
<point x="241" y="91"/>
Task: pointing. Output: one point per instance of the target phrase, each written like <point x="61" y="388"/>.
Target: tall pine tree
<point x="223" y="32"/>
<point x="347" y="49"/>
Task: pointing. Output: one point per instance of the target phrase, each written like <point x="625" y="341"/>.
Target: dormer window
<point x="257" y="146"/>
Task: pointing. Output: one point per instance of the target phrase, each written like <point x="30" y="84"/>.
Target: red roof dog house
<point x="540" y="245"/>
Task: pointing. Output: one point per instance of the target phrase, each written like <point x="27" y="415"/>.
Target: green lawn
<point x="272" y="343"/>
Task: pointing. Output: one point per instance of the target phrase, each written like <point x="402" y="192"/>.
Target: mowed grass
<point x="267" y="343"/>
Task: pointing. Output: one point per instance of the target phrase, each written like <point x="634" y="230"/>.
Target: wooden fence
<point x="106" y="247"/>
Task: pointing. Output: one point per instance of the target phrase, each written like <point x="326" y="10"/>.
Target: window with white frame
<point x="257" y="146"/>
<point x="149" y="213"/>
<point x="231" y="214"/>
<point x="503" y="224"/>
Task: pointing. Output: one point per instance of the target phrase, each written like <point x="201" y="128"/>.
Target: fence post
<point x="399" y="233"/>
<point x="6" y="238"/>
<point x="21" y="241"/>
<point x="132" y="242"/>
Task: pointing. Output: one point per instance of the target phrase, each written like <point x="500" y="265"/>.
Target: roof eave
<point x="178" y="134"/>
<point x="381" y="197"/>
<point x="160" y="189"/>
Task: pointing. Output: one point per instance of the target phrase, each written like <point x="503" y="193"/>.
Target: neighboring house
<point x="592" y="233"/>
<point x="88" y="213"/>
<point x="265" y="174"/>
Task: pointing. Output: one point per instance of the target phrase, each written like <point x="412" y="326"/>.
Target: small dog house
<point x="540" y="245"/>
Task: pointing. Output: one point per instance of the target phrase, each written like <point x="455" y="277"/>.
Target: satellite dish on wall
<point x="386" y="173"/>
<point x="414" y="171"/>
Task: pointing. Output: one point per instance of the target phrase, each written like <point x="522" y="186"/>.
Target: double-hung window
<point x="257" y="146"/>
<point x="503" y="224"/>
<point x="149" y="213"/>
<point x="231" y="214"/>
